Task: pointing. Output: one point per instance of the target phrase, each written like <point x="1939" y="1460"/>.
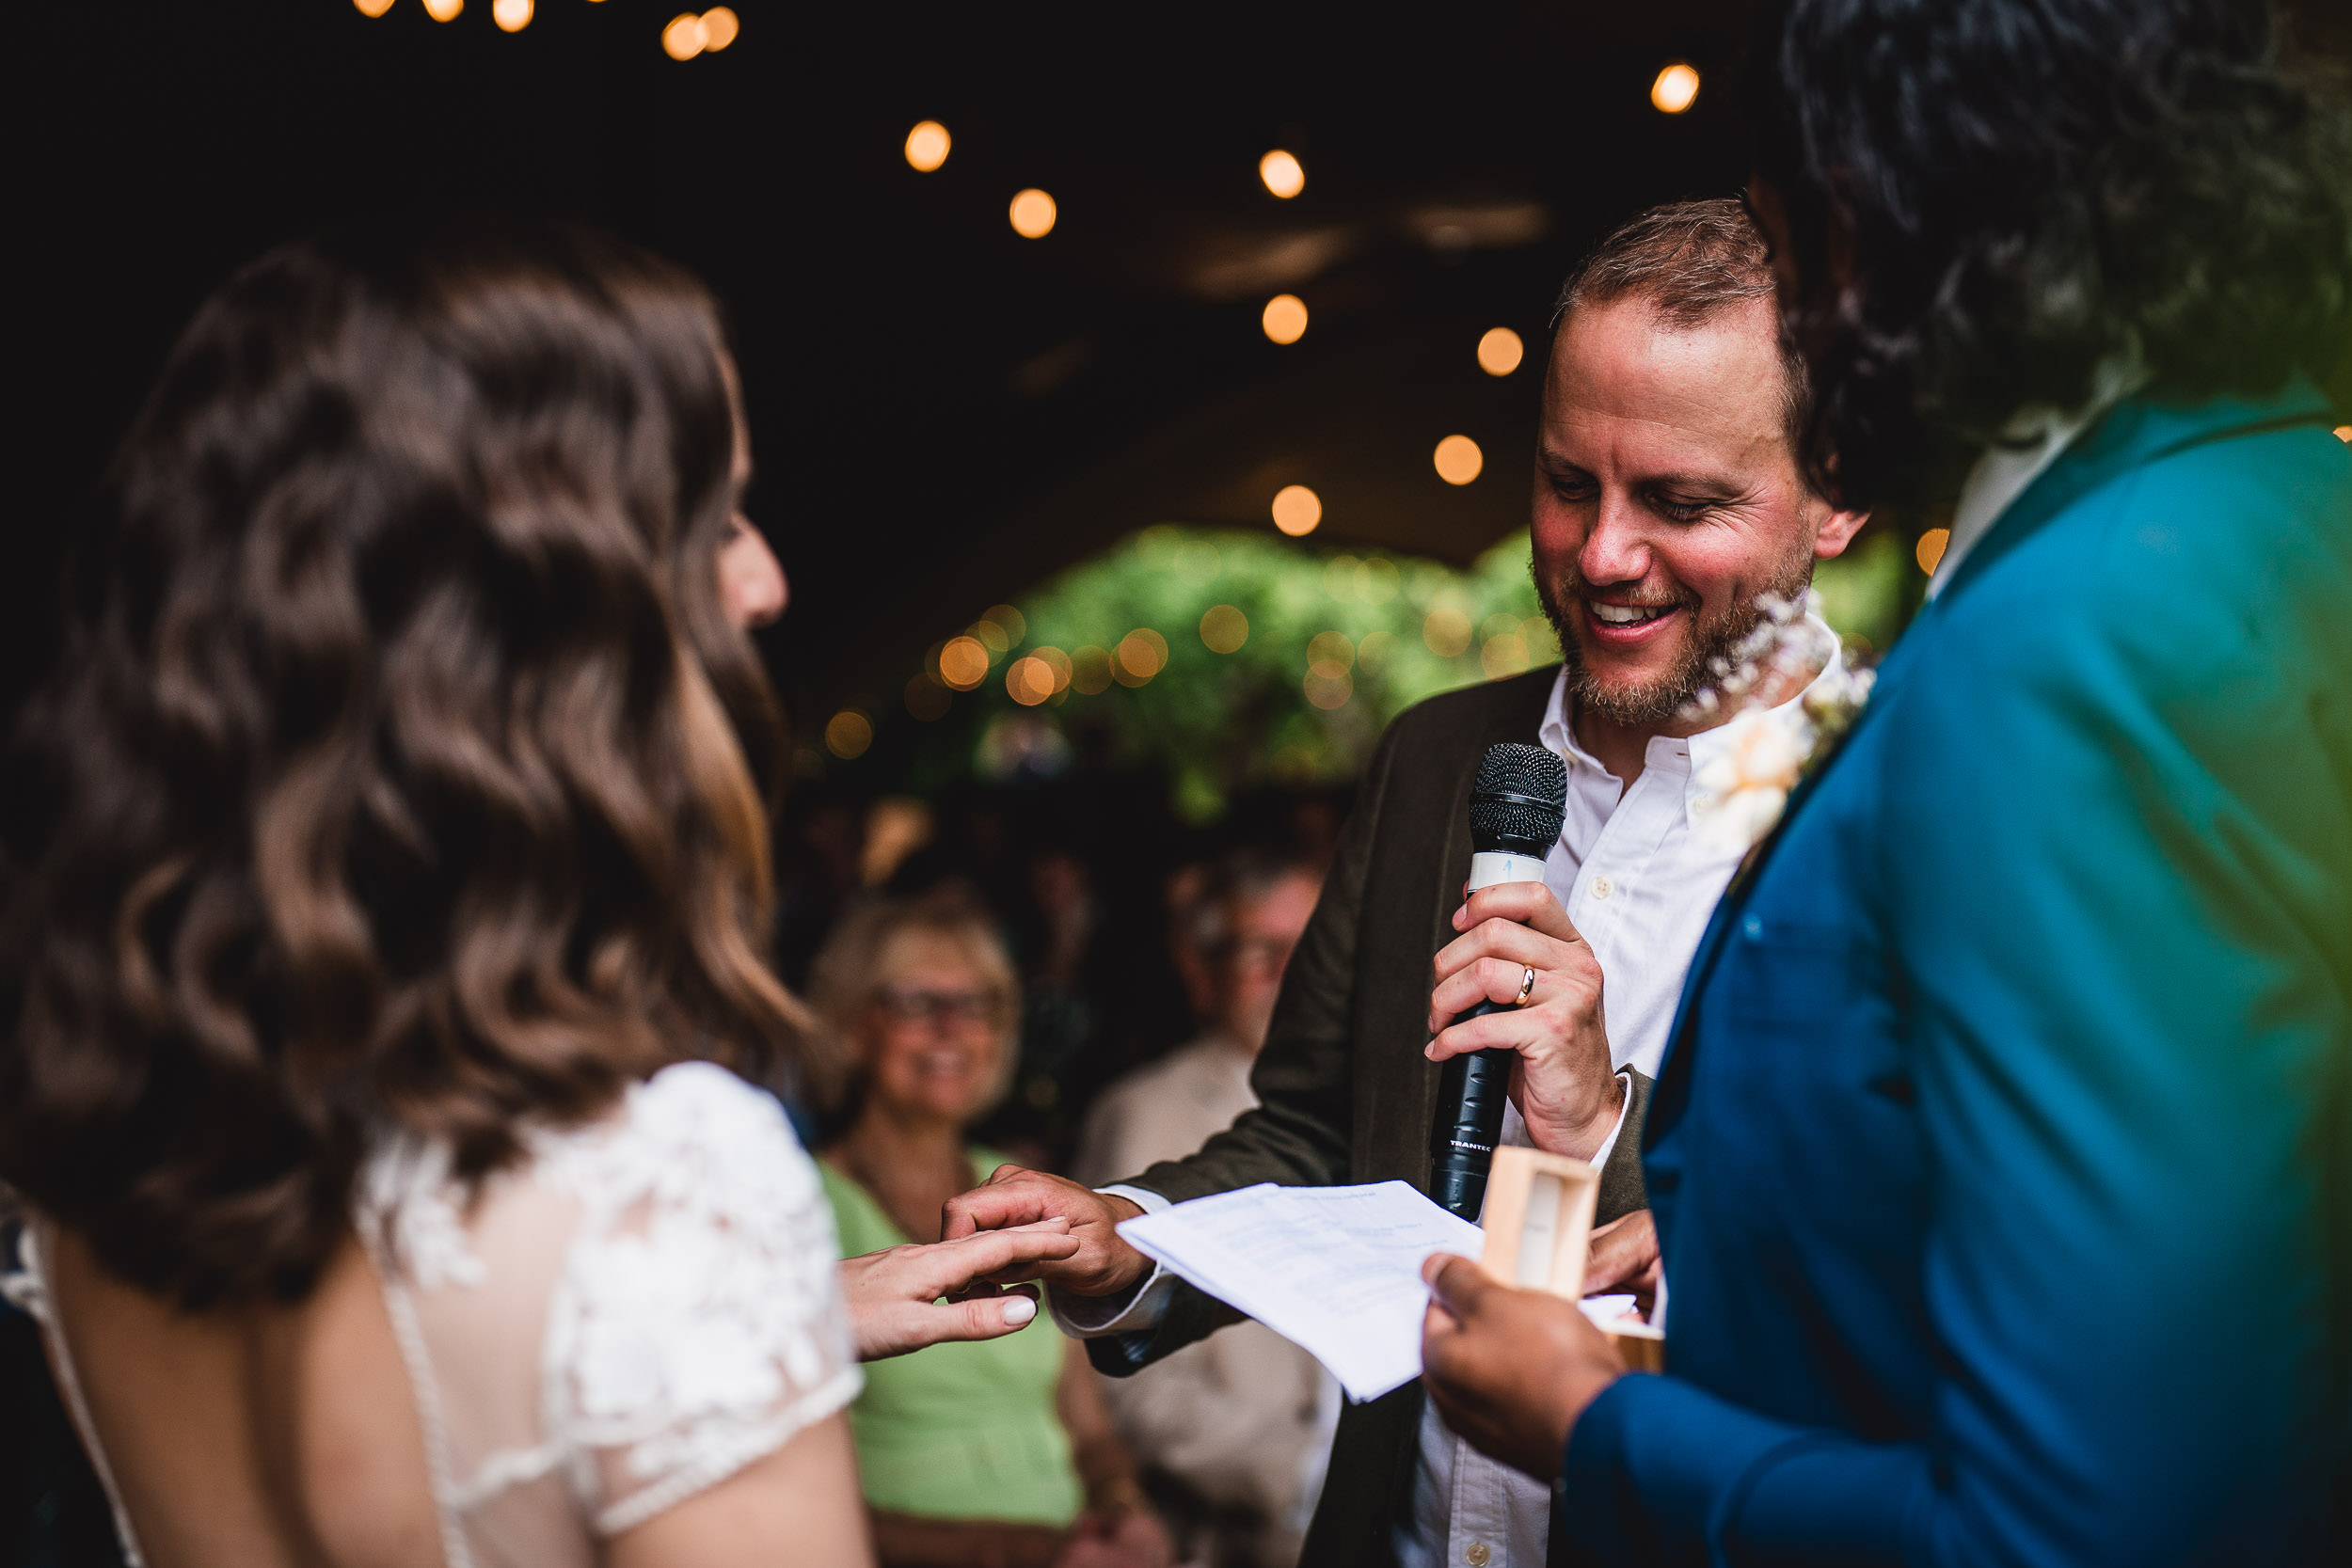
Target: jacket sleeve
<point x="1299" y="1133"/>
<point x="2112" y="864"/>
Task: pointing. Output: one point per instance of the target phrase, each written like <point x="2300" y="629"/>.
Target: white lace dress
<point x="638" y="1309"/>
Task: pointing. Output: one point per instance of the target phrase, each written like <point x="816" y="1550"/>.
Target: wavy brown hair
<point x="383" y="784"/>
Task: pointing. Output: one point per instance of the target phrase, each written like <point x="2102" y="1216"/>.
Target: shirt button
<point x="1754" y="926"/>
<point x="1478" y="1555"/>
<point x="1603" y="887"/>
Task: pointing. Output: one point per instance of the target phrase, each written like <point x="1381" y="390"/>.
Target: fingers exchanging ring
<point x="1527" y="988"/>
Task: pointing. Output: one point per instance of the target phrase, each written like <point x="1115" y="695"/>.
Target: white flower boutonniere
<point x="1771" y="742"/>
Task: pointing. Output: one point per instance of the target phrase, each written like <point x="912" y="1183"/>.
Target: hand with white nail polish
<point x="895" y="1296"/>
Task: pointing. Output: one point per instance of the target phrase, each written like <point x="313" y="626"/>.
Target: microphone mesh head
<point x="1519" y="801"/>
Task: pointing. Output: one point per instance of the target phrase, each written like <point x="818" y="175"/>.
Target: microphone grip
<point x="1472" y="1091"/>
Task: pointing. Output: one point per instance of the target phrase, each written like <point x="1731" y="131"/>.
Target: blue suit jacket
<point x="2002" y="1158"/>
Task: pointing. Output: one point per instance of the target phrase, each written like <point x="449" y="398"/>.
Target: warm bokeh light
<point x="1505" y="654"/>
<point x="1500" y="351"/>
<point x="1930" y="550"/>
<point x="1141" y="654"/>
<point x="720" y="27"/>
<point x="682" y="40"/>
<point x="1447" y="631"/>
<point x="443" y="11"/>
<point x="1033" y="214"/>
<point x="1676" y="90"/>
<point x="849" y="735"/>
<point x="512" y="16"/>
<point x="1014" y="624"/>
<point x="1458" y="459"/>
<point x="990" y="635"/>
<point x="928" y="145"/>
<point x="1091" y="670"/>
<point x="1285" y="318"/>
<point x="1328" y="691"/>
<point x="1296" y="510"/>
<point x="372" y="7"/>
<point x="963" y="662"/>
<point x="1331" y="655"/>
<point x="926" y="698"/>
<point x="1282" y="174"/>
<point x="2344" y="434"/>
<point x="1224" y="629"/>
<point x="1028" y="681"/>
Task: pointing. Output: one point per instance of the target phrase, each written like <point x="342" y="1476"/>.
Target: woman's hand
<point x="1511" y="1370"/>
<point x="893" y="1295"/>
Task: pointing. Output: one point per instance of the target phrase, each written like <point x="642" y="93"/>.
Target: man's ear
<point x="1836" y="532"/>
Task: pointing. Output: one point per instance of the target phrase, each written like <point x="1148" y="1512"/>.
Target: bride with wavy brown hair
<point x="386" y="881"/>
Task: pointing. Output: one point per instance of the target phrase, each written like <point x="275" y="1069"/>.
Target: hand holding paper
<point x="1336" y="1270"/>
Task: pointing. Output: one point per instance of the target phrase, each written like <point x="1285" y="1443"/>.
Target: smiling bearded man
<point x="1668" y="498"/>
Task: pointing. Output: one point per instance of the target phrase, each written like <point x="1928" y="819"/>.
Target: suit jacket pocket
<point x="1785" y="971"/>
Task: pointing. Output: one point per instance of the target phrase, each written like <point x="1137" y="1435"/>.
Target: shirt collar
<point x="2008" y="468"/>
<point x="1664" y="751"/>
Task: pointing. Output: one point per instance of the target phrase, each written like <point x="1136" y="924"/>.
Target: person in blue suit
<point x="2002" y="1156"/>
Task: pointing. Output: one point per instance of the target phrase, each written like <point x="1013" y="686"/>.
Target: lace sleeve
<point x="696" y="1326"/>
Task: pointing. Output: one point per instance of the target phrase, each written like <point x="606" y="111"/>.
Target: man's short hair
<point x="1690" y="262"/>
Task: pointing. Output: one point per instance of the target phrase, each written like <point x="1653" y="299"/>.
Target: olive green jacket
<point x="1345" y="1094"/>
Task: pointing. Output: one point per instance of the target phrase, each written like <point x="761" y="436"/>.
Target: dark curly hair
<point x="1987" y="199"/>
<point x="383" y="784"/>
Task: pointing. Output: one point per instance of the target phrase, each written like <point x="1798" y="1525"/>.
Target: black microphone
<point x="1517" y="805"/>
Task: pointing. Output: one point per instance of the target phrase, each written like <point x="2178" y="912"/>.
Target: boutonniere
<point x="1770" y="743"/>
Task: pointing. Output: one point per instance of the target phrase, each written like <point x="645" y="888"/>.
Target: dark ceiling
<point x="942" y="411"/>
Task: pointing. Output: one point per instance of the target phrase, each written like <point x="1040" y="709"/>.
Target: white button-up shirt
<point x="1639" y="882"/>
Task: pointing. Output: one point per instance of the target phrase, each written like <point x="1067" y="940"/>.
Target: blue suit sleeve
<point x="2113" y="879"/>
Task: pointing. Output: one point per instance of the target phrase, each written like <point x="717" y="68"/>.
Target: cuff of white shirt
<point x="1136" y="1310"/>
<point x="1608" y="1144"/>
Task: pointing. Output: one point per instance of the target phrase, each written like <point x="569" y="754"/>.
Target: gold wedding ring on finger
<point x="1527" y="988"/>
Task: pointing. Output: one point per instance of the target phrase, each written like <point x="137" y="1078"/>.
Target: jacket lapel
<point x="2136" y="432"/>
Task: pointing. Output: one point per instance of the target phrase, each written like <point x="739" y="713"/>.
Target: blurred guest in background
<point x="999" y="1453"/>
<point x="2003" y="1159"/>
<point x="1233" y="1431"/>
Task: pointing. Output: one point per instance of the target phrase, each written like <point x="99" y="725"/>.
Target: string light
<point x="1930" y="549"/>
<point x="963" y="662"/>
<point x="1458" y="459"/>
<point x="849" y="735"/>
<point x="927" y="145"/>
<point x="512" y="16"/>
<point x="1676" y="90"/>
<point x="372" y="7"/>
<point x="443" y="11"/>
<point x="1284" y="318"/>
<point x="1500" y="351"/>
<point x="1283" y="174"/>
<point x="1033" y="212"/>
<point x="1447" y="631"/>
<point x="720" y="28"/>
<point x="1224" y="629"/>
<point x="1296" y="510"/>
<point x="1140" y="655"/>
<point x="682" y="40"/>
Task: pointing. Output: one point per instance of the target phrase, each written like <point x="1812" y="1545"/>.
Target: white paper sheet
<point x="1335" y="1270"/>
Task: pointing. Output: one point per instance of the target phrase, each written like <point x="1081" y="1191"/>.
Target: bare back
<point x="609" y="1346"/>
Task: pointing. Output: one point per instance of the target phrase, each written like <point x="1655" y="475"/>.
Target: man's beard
<point x="1654" y="702"/>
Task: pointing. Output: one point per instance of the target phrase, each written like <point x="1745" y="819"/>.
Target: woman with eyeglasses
<point x="991" y="1452"/>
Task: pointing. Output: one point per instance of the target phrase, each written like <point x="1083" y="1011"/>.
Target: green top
<point x="960" y="1430"/>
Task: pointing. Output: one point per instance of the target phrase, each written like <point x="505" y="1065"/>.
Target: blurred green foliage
<point x="1228" y="658"/>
